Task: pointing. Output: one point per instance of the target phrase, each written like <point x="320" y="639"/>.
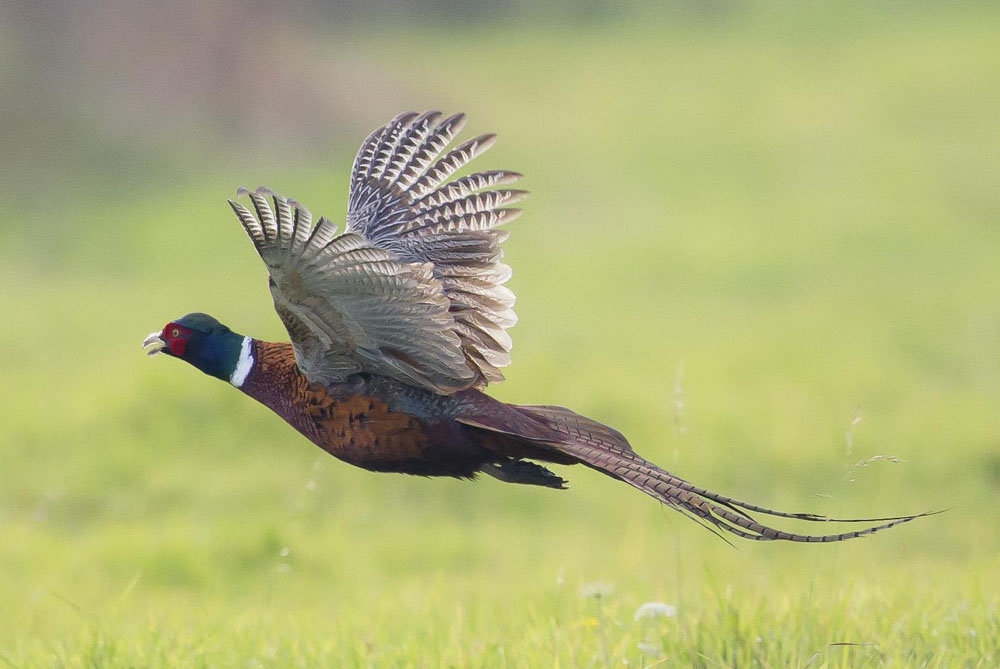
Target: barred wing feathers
<point x="401" y="200"/>
<point x="351" y="306"/>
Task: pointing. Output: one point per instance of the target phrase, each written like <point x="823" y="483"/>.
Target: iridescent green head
<point x="205" y="343"/>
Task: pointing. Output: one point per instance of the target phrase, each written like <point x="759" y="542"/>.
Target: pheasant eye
<point x="175" y="332"/>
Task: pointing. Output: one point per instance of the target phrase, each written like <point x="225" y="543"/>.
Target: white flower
<point x="655" y="610"/>
<point x="647" y="648"/>
<point x="596" y="590"/>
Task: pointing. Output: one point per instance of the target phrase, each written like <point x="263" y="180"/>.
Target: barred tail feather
<point x="726" y="516"/>
<point x="606" y="450"/>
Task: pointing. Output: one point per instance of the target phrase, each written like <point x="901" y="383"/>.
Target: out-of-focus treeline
<point x="93" y="90"/>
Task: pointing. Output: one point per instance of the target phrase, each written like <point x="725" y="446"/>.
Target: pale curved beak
<point x="153" y="344"/>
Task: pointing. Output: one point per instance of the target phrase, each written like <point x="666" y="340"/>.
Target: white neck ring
<point x="244" y="365"/>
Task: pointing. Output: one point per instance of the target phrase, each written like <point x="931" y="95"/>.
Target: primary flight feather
<point x="399" y="322"/>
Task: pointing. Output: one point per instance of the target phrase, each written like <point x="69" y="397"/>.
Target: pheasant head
<point x="204" y="342"/>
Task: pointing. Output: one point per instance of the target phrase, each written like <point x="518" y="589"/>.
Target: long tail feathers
<point x="718" y="511"/>
<point x="605" y="450"/>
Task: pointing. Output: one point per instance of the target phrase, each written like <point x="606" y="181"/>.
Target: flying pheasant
<point x="398" y="324"/>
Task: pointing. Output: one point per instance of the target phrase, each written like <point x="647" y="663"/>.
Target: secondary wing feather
<point x="401" y="200"/>
<point x="350" y="306"/>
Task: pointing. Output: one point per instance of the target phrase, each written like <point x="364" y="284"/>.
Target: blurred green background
<point x="762" y="242"/>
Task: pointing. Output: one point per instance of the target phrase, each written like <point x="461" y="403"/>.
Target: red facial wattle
<point x="176" y="337"/>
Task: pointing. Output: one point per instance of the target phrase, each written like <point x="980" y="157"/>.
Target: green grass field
<point x="764" y="246"/>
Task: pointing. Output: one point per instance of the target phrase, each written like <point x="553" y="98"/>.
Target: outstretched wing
<point x="351" y="306"/>
<point x="401" y="200"/>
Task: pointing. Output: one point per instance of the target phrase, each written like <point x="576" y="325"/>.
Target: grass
<point x="761" y="245"/>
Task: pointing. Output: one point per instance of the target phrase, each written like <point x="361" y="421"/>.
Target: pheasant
<point x="398" y="324"/>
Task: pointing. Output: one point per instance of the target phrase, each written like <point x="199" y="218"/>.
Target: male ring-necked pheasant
<point x="398" y="324"/>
